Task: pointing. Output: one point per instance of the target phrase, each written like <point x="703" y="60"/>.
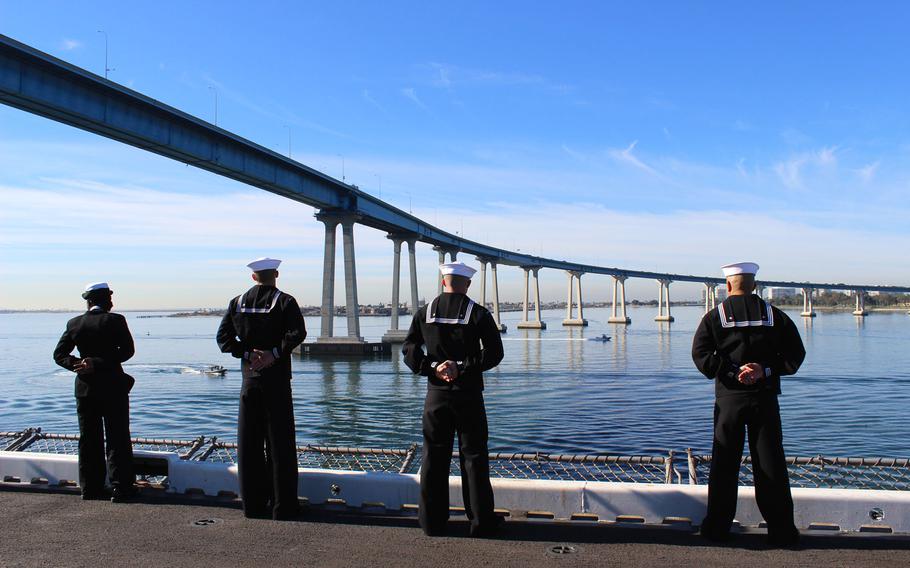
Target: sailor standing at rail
<point x="261" y="328"/>
<point x="746" y="346"/>
<point x="102" y="393"/>
<point x="462" y="341"/>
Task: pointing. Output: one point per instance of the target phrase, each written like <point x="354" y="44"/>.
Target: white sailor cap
<point x="739" y="268"/>
<point x="264" y="263"/>
<point x="457" y="269"/>
<point x="96" y="286"/>
<point x="94" y="289"/>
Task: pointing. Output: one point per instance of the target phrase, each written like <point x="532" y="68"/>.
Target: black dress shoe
<point x="714" y="536"/>
<point x="786" y="540"/>
<point x="257" y="514"/>
<point x="488" y="529"/>
<point x="123" y="495"/>
<point x="101" y="495"/>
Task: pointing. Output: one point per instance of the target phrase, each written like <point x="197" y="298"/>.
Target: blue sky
<point x="667" y="136"/>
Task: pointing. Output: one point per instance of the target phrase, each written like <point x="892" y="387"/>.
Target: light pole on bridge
<point x="289" y="139"/>
<point x="106" y="68"/>
<point x="215" y="92"/>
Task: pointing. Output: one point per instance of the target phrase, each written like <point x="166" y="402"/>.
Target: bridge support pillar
<point x="860" y="303"/>
<point x="710" y="296"/>
<point x="412" y="263"/>
<point x="807" y="312"/>
<point x="574" y="277"/>
<point x="483" y="282"/>
<point x="394" y="334"/>
<point x="663" y="293"/>
<point x="619" y="289"/>
<point x="453" y="254"/>
<point x="352" y="309"/>
<point x="327" y="310"/>
<point x="483" y="290"/>
<point x="502" y="328"/>
<point x="537" y="323"/>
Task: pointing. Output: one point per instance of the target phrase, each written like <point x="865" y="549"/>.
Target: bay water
<point x="556" y="390"/>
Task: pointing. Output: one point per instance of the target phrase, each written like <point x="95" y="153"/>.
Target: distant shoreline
<point x="312" y="311"/>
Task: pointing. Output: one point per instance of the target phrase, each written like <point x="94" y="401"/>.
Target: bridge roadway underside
<point x="56" y="528"/>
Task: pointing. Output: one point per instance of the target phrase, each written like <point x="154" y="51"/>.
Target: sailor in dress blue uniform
<point x="262" y="327"/>
<point x="102" y="393"/>
<point x="462" y="342"/>
<point x="746" y="346"/>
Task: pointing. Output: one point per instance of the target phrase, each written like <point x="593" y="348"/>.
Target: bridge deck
<point x="55" y="528"/>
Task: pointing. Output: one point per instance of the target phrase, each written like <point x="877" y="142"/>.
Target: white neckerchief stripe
<point x="752" y="323"/>
<point x="242" y="309"/>
<point x="453" y="321"/>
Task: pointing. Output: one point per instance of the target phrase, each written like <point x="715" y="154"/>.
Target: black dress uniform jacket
<point x="745" y="329"/>
<point x="102" y="397"/>
<point x="267" y="319"/>
<point x="454" y="328"/>
<point x="103" y="337"/>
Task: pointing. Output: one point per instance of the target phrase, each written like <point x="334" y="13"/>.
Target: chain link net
<point x="824" y="472"/>
<point x="68" y="444"/>
<point x="324" y="457"/>
<point x="628" y="469"/>
<point x="814" y="472"/>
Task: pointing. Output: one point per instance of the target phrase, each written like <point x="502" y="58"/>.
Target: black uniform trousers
<point x="760" y="413"/>
<point x="103" y="418"/>
<point x="445" y="413"/>
<point x="266" y="449"/>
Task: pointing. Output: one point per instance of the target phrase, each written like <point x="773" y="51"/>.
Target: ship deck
<point x="54" y="527"/>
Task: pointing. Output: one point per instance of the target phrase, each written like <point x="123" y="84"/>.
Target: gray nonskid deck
<point x="56" y="528"/>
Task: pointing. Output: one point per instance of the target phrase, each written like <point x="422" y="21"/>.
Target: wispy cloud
<point x="790" y="171"/>
<point x="443" y="79"/>
<point x="368" y="97"/>
<point x="278" y="113"/>
<point x="447" y="76"/>
<point x="625" y="155"/>
<point x="868" y="172"/>
<point x="572" y="153"/>
<point x="411" y="94"/>
<point x="740" y="167"/>
<point x="70" y="44"/>
<point x="826" y="156"/>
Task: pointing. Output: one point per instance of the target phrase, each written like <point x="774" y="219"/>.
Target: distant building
<point x="784" y="292"/>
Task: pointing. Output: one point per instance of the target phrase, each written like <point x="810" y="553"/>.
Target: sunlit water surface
<point x="555" y="391"/>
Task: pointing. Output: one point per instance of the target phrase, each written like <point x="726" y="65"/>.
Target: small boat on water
<point x="603" y="338"/>
<point x="214" y="371"/>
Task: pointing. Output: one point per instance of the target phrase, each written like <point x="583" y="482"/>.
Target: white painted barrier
<point x="839" y="509"/>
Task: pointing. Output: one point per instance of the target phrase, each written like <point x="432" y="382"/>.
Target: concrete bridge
<point x="38" y="83"/>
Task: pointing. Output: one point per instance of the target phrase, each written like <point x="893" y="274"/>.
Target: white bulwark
<point x="831" y="510"/>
